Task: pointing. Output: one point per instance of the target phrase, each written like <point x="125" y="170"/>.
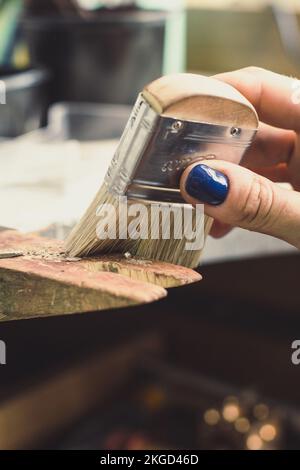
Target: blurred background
<point x="210" y="366"/>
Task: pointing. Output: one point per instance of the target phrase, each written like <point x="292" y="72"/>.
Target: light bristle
<point x="83" y="239"/>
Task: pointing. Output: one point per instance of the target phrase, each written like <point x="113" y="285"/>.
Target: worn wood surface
<point x="44" y="281"/>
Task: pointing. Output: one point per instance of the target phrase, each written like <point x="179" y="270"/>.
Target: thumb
<point x="237" y="196"/>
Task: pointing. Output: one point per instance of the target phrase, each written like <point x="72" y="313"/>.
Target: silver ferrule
<point x="154" y="150"/>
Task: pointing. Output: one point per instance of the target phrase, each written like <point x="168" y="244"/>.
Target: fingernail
<point x="207" y="185"/>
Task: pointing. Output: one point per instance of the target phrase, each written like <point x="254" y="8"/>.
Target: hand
<point x="247" y="196"/>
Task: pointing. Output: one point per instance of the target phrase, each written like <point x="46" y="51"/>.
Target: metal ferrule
<point x="154" y="150"/>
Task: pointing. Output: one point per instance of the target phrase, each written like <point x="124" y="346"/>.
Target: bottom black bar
<point x="136" y="459"/>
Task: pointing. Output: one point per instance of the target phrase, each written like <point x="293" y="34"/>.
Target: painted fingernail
<point x="207" y="185"/>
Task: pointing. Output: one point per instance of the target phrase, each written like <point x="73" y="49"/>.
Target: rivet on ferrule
<point x="235" y="131"/>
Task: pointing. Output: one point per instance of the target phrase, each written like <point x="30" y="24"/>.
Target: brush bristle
<point x="84" y="241"/>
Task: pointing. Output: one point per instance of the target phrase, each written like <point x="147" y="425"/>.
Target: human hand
<point x="247" y="196"/>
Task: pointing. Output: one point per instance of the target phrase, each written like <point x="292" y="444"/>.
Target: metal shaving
<point x="56" y="257"/>
<point x="132" y="260"/>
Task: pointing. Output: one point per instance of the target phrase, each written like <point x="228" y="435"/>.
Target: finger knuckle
<point x="253" y="69"/>
<point x="256" y="205"/>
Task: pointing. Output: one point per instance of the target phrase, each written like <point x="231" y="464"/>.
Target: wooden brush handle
<point x="191" y="97"/>
<point x="197" y="98"/>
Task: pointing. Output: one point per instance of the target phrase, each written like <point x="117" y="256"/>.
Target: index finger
<point x="275" y="97"/>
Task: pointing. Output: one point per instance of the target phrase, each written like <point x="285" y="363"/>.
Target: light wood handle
<point x="194" y="97"/>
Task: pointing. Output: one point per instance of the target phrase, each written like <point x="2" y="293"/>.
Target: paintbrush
<point x="176" y="120"/>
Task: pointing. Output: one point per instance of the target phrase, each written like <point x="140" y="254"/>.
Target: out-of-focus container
<point x="84" y="122"/>
<point x="24" y="100"/>
<point x="106" y="59"/>
<point x="87" y="121"/>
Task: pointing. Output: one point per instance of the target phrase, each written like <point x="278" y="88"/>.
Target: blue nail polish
<point x="207" y="185"/>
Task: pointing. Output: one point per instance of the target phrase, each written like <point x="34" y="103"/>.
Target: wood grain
<point x="195" y="97"/>
<point x="44" y="281"/>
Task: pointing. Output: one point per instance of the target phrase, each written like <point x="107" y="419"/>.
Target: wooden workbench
<point x="38" y="279"/>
